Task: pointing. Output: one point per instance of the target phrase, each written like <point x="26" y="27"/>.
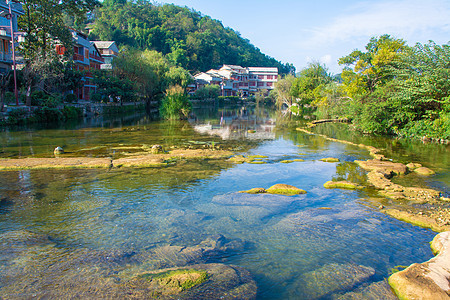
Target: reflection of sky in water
<point x="286" y="237"/>
<point x="288" y="240"/>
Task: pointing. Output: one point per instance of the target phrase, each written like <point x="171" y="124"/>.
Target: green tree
<point x="175" y="105"/>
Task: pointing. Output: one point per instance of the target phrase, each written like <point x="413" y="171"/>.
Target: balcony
<point x="97" y="58"/>
<point x="78" y="57"/>
<point x="6" y="58"/>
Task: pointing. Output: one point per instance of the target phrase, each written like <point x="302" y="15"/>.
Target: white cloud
<point x="404" y="19"/>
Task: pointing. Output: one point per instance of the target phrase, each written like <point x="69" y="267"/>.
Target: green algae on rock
<point x="54" y="163"/>
<point x="285" y="189"/>
<point x="178" y="279"/>
<point x="255" y="191"/>
<point x="342" y="185"/>
<point x="428" y="280"/>
<point x="291" y="161"/>
<point x="424" y="171"/>
<point x="330" y="159"/>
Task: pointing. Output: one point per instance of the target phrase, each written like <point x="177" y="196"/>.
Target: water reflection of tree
<point x="351" y="172"/>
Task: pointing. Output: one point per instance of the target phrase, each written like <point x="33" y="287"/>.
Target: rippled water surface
<point x="298" y="247"/>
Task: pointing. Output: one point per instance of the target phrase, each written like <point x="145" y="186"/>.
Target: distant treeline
<point x="186" y="37"/>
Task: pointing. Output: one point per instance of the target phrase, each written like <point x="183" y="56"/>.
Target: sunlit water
<point x="287" y="242"/>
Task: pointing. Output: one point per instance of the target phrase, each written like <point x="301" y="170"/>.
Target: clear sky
<point x="300" y="31"/>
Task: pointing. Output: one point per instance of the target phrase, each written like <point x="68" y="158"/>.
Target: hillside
<point x="187" y="38"/>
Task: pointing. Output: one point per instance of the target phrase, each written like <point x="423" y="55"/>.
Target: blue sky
<point x="325" y="30"/>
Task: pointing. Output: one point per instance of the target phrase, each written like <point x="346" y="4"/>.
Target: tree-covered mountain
<point x="187" y="38"/>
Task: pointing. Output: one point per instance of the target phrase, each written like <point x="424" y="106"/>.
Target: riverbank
<point x="22" y="114"/>
<point x="423" y="207"/>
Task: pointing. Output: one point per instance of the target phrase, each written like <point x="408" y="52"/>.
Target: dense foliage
<point x="186" y="37"/>
<point x="390" y="88"/>
<point x="175" y="105"/>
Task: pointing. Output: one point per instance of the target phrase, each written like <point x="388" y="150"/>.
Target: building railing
<point x="6" y="57"/>
<point x="77" y="56"/>
<point x="96" y="57"/>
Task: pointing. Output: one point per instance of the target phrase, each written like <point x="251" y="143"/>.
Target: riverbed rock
<point x="424" y="171"/>
<point x="375" y="291"/>
<point x="413" y="166"/>
<point x="217" y="281"/>
<point x="387" y="168"/>
<point x="330" y="159"/>
<point x="342" y="185"/>
<point x="54" y="163"/>
<point x="428" y="280"/>
<point x="332" y="278"/>
<point x="285" y="189"/>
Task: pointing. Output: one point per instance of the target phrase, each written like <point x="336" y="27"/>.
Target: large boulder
<point x="428" y="280"/>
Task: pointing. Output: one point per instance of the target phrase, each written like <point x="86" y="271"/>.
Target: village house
<point x="109" y="51"/>
<point x="9" y="11"/>
<point x="86" y="58"/>
<point x="238" y="81"/>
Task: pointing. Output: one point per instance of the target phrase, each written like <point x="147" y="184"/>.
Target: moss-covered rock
<point x="203" y="281"/>
<point x="330" y="159"/>
<point x="291" y="161"/>
<point x="424" y="171"/>
<point x="428" y="280"/>
<point x="285" y="189"/>
<point x="342" y="185"/>
<point x="413" y="166"/>
<point x="255" y="191"/>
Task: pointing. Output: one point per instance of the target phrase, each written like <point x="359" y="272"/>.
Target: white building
<point x="239" y="81"/>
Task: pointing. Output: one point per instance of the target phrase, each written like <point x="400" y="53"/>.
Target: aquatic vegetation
<point x="181" y="279"/>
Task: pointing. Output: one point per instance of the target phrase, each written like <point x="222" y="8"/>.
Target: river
<point x="295" y="247"/>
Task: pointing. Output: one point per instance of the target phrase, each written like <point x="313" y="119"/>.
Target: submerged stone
<point x="428" y="280"/>
<point x="58" y="150"/>
<point x="413" y="166"/>
<point x="203" y="281"/>
<point x="333" y="278"/>
<point x="375" y="291"/>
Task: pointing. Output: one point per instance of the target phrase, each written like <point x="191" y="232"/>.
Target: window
<point x="269" y="83"/>
<point x="86" y="53"/>
<point x="260" y="76"/>
<point x="252" y="83"/>
<point x="269" y="76"/>
<point x="275" y="76"/>
<point x="260" y="83"/>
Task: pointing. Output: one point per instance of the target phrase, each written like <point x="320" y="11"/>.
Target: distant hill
<point x="188" y="38"/>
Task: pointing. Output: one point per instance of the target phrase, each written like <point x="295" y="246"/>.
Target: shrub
<point x="175" y="105"/>
<point x="71" y="112"/>
<point x="96" y="97"/>
<point x="17" y="116"/>
<point x="70" y="98"/>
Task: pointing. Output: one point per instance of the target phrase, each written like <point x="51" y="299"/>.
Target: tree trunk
<point x="2" y="99"/>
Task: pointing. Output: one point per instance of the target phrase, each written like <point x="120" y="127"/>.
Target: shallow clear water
<point x="287" y="243"/>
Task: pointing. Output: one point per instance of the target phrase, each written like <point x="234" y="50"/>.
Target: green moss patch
<point x="291" y="161"/>
<point x="342" y="185"/>
<point x="255" y="191"/>
<point x="183" y="279"/>
<point x="330" y="159"/>
<point x="285" y="189"/>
